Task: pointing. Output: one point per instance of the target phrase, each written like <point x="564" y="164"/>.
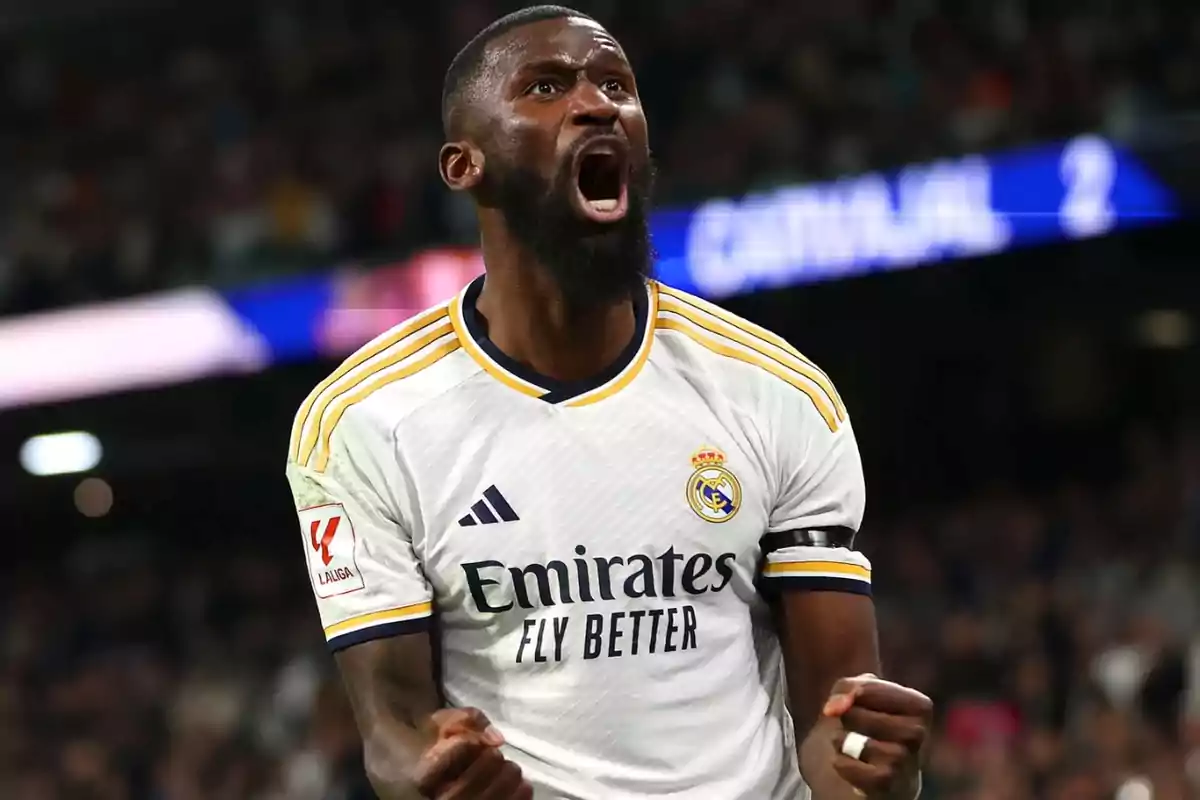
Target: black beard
<point x="594" y="265"/>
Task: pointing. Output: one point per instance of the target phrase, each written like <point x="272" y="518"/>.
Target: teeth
<point x="604" y="205"/>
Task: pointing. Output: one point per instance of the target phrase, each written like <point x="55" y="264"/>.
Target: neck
<point x="530" y="321"/>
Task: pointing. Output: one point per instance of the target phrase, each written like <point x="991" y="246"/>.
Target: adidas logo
<point x="492" y="508"/>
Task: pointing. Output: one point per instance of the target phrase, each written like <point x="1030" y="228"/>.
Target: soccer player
<point x="574" y="533"/>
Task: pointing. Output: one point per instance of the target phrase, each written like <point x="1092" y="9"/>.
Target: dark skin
<point x="553" y="82"/>
<point x="831" y="657"/>
<point x="548" y="84"/>
<point x="413" y="748"/>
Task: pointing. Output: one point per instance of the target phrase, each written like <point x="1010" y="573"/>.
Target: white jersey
<point x="591" y="551"/>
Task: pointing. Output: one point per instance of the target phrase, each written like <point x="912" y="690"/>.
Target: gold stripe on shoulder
<point x="754" y="337"/>
<point x="330" y="420"/>
<point x="749" y="327"/>
<point x="751" y="342"/>
<point x="406" y="347"/>
<point x="405" y="330"/>
<point x="818" y="398"/>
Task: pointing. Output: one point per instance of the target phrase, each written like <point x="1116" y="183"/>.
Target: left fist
<point x="895" y="721"/>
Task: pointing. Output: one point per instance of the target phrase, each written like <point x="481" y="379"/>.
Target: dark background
<point x="1028" y="422"/>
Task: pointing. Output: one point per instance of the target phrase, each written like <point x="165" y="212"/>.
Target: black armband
<point x="811" y="537"/>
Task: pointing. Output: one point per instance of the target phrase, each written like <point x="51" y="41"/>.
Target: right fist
<point x="464" y="761"/>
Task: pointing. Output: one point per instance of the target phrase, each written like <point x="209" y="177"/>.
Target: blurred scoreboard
<point x="958" y="208"/>
<point x="923" y="214"/>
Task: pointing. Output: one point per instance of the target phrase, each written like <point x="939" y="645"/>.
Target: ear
<point x="460" y="165"/>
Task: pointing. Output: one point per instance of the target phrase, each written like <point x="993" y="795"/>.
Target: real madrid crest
<point x="713" y="491"/>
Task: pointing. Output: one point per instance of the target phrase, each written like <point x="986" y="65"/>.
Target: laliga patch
<point x="329" y="545"/>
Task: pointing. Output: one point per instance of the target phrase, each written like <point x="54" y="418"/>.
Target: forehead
<point x="571" y="40"/>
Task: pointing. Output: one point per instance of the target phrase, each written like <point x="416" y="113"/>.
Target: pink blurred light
<point x="367" y="304"/>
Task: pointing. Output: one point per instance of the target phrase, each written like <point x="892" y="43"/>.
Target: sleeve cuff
<point x="820" y="569"/>
<point x="413" y="618"/>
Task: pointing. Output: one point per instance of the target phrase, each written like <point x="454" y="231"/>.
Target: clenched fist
<point x="884" y="729"/>
<point x="464" y="761"/>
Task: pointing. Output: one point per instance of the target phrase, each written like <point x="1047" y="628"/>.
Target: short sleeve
<point x="809" y="544"/>
<point x="365" y="576"/>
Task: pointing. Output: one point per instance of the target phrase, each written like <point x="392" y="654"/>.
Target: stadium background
<point x="259" y="178"/>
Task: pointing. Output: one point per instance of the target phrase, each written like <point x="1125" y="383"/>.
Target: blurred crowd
<point x="218" y="142"/>
<point x="1059" y="634"/>
<point x="1058" y="630"/>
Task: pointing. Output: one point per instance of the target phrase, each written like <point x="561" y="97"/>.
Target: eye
<point x="613" y="85"/>
<point x="542" y="87"/>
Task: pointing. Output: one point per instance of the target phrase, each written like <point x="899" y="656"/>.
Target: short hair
<point x="464" y="71"/>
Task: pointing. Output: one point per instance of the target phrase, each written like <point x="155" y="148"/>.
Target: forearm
<point x="389" y="753"/>
<point x="830" y="636"/>
<point x="393" y="693"/>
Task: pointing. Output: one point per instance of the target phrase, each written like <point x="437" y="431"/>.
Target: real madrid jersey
<point x="592" y="551"/>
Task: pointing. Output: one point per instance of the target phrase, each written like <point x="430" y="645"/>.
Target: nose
<point x="591" y="107"/>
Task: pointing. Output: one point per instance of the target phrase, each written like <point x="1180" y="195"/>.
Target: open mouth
<point x="601" y="184"/>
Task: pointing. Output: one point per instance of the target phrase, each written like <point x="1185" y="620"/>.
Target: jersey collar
<point x="471" y="329"/>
